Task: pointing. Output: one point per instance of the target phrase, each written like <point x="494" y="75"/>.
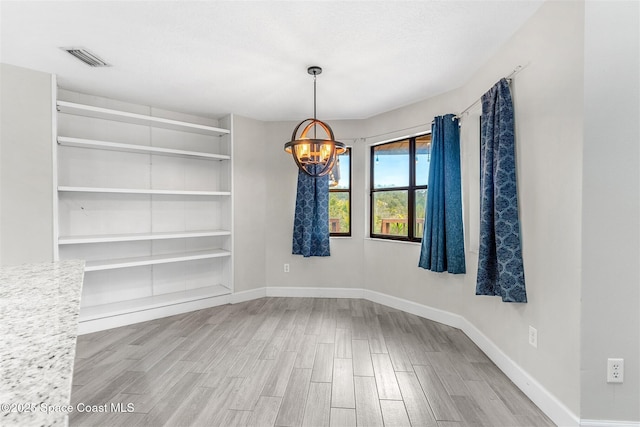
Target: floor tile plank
<point x="368" y="412"/>
<point x="215" y="408"/>
<point x="307" y="352"/>
<point x="277" y="382"/>
<point x="265" y="412"/>
<point x="399" y="357"/>
<point x="191" y="407"/>
<point x="318" y="407"/>
<point x="343" y="344"/>
<point x="394" y="413"/>
<point x="342" y="392"/>
<point x="362" y="365"/>
<point x="251" y="388"/>
<point x="385" y="377"/>
<point x="323" y="363"/>
<point x="415" y="401"/>
<point x="292" y="409"/>
<point x="494" y="411"/>
<point x="171" y="400"/>
<point x="235" y="418"/>
<point x="444" y="409"/>
<point x="343" y="417"/>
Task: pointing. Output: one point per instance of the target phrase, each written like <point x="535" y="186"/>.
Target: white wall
<point x="611" y="213"/>
<point x="250" y="203"/>
<point x="26" y="186"/>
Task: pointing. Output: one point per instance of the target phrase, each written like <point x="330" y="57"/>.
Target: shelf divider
<point x="63" y="188"/>
<point x="132" y="148"/>
<point x="131" y="237"/>
<point x="154" y="259"/>
<point x="138" y="119"/>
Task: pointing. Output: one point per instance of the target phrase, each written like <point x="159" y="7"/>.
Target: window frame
<point x="410" y="189"/>
<point x="344" y="190"/>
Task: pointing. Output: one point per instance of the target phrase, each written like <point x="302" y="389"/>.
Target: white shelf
<point x="139" y="119"/>
<point x="131" y="237"/>
<point x="154" y="259"/>
<point x="130" y="306"/>
<point x="131" y="148"/>
<point x="142" y="191"/>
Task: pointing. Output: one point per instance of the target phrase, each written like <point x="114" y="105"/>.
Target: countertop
<point x="39" y="307"/>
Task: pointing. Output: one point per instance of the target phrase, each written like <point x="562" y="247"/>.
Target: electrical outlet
<point x="286" y="268"/>
<point x="615" y="370"/>
<point x="533" y="336"/>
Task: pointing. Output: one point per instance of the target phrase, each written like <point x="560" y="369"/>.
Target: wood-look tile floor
<point x="293" y="362"/>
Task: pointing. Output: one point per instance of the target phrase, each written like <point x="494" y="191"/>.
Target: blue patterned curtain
<point x="311" y="222"/>
<point x="443" y="237"/>
<point x="500" y="269"/>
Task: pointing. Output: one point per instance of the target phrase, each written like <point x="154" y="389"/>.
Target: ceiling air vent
<point x="85" y="56"/>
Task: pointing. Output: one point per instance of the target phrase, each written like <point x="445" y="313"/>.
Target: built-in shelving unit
<point x="145" y="197"/>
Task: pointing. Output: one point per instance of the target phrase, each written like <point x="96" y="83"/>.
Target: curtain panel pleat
<point x="311" y="221"/>
<point x="500" y="267"/>
<point x="442" y="246"/>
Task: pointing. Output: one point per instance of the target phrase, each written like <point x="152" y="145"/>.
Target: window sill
<point x="404" y="242"/>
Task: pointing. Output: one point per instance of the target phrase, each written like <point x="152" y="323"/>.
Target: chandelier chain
<point x="314" y="105"/>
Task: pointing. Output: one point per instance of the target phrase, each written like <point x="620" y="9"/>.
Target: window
<point x="399" y="175"/>
<point x="340" y="196"/>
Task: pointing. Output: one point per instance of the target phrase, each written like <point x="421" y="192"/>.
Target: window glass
<point x="342" y="171"/>
<point x="339" y="208"/>
<point x="391" y="165"/>
<point x="423" y="157"/>
<point x="340" y="196"/>
<point x="390" y="213"/>
<point x="420" y="204"/>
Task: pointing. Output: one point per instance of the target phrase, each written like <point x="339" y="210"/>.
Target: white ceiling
<point x="250" y="58"/>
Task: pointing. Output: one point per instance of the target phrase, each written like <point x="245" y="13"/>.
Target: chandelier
<point x="314" y="156"/>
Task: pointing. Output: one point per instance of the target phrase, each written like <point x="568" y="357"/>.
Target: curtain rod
<point x="457" y="116"/>
<point x="508" y="78"/>
<point x="417" y="132"/>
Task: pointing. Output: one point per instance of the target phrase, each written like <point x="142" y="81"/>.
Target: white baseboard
<point x="421" y="310"/>
<point x="251" y="294"/>
<point x="546" y="401"/>
<point x="603" y="423"/>
<point x="314" y="292"/>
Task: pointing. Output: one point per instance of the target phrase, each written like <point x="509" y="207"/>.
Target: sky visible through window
<point x="393" y="170"/>
<point x="343" y="182"/>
